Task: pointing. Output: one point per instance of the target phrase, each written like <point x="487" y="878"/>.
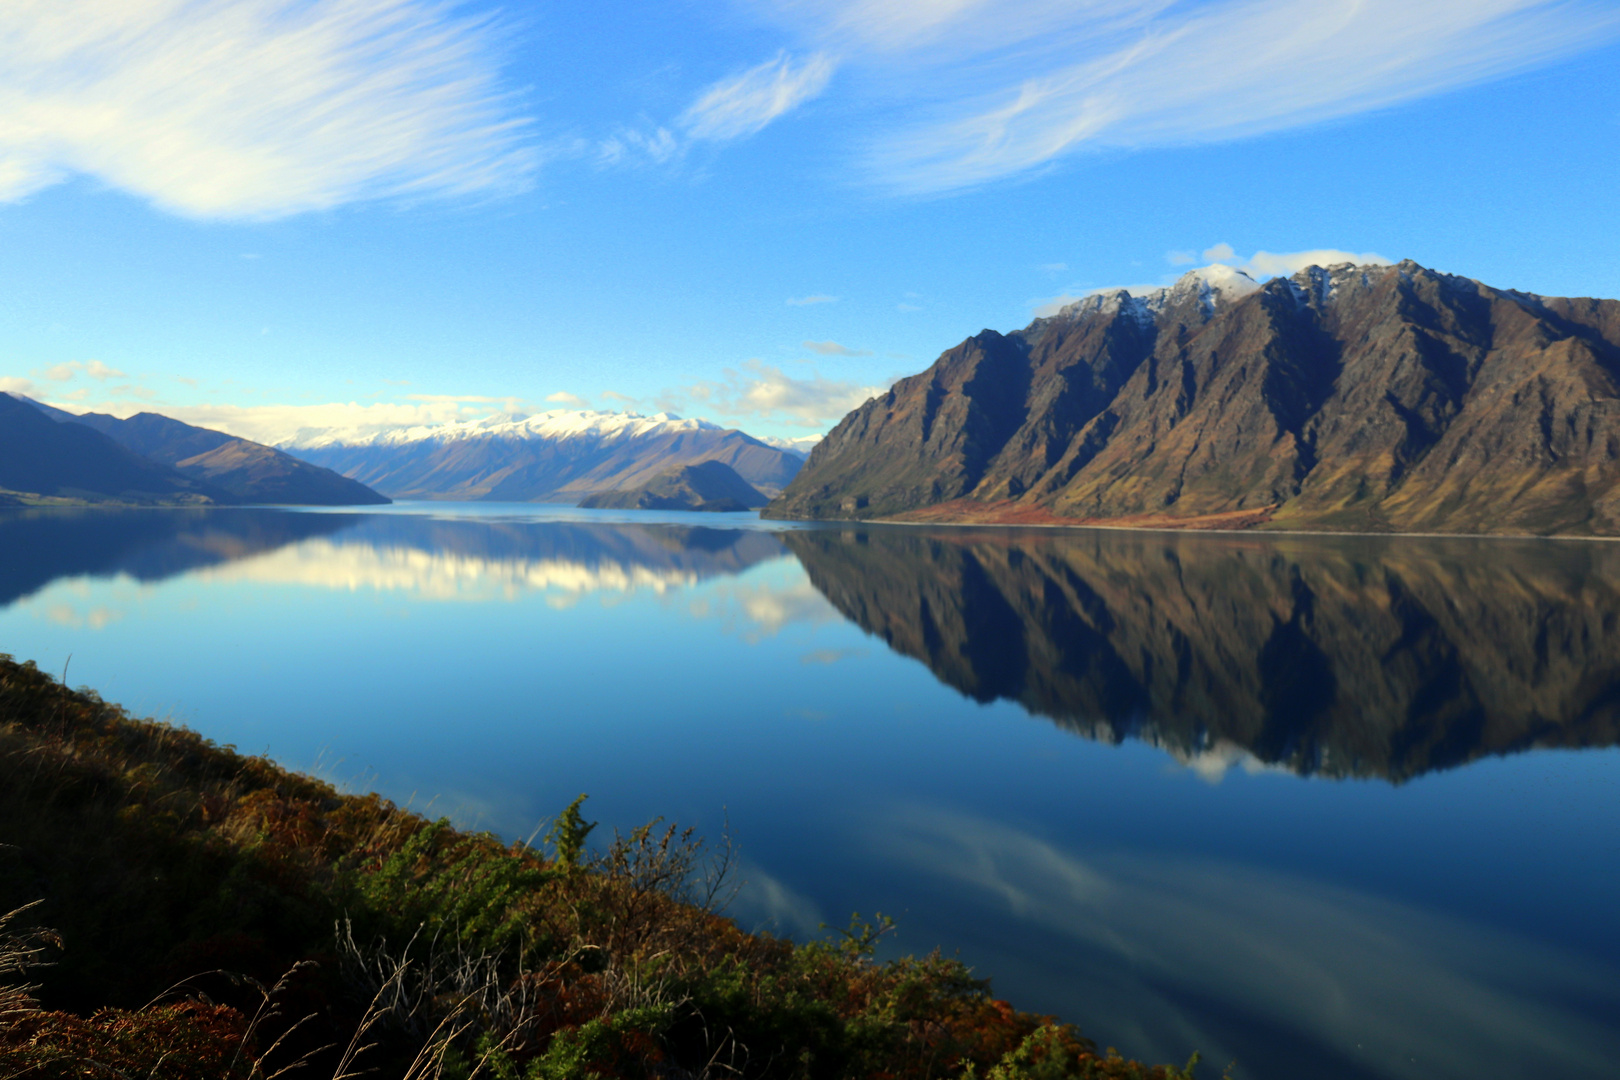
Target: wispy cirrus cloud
<point x="744" y="104"/>
<point x="814" y="298"/>
<point x="256" y="108"/>
<point x="983" y="91"/>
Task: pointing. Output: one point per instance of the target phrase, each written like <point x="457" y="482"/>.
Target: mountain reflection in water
<point x="426" y="555"/>
<point x="1339" y="656"/>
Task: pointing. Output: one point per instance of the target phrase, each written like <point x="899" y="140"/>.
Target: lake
<point x="1337" y="807"/>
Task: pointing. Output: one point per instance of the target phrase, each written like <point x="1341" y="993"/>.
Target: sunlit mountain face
<point x="1336" y="656"/>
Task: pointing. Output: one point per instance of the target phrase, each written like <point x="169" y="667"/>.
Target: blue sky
<point x="265" y="214"/>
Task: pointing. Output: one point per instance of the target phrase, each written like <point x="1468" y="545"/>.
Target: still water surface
<point x="1325" y="806"/>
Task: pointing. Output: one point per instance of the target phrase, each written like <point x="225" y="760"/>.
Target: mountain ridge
<point x="559" y="456"/>
<point x="234" y="469"/>
<point x="42" y="457"/>
<point x="1354" y="398"/>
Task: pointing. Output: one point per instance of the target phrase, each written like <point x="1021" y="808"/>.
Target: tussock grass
<point x="212" y="915"/>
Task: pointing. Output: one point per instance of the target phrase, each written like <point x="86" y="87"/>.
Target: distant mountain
<point x="249" y="471"/>
<point x="708" y="485"/>
<point x="40" y="456"/>
<point x="557" y="456"/>
<point x="1371" y="398"/>
<point x="800" y="446"/>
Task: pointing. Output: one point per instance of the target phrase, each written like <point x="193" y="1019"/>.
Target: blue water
<point x="1324" y="807"/>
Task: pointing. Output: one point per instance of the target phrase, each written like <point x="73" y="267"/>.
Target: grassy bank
<point x="182" y="911"/>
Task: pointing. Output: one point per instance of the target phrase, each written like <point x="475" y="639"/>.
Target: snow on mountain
<point x="800" y="446"/>
<point x="559" y="456"/>
<point x="1212" y="285"/>
<point x="557" y="424"/>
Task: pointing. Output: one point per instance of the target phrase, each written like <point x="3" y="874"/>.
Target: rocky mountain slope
<point x="247" y="470"/>
<point x="552" y="457"/>
<point x="41" y="457"/>
<point x="708" y="485"/>
<point x="1369" y="398"/>
<point x="1346" y="656"/>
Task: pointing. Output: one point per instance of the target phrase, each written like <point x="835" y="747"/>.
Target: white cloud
<point x="1180" y="258"/>
<point x="67" y="370"/>
<point x="815" y="298"/>
<point x="832" y="348"/>
<point x="274" y="424"/>
<point x="744" y="104"/>
<point x="635" y="146"/>
<point x="12" y="384"/>
<point x="1269" y="264"/>
<point x="1264" y="264"/>
<point x="562" y="397"/>
<point x="255" y="108"/>
<point x="990" y="90"/>
<point x="766" y="392"/>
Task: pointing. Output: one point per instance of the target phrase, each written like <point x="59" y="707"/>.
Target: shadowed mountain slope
<point x="1361" y="398"/>
<point x="708" y="485"/>
<point x="1343" y="656"/>
<point x="40" y="456"/>
<point x="248" y="470"/>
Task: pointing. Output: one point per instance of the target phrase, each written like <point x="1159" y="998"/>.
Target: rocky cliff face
<point x="1365" y="398"/>
<point x="1340" y="656"/>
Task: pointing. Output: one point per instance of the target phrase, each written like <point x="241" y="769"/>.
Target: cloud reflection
<point x="1173" y="948"/>
<point x="430" y="575"/>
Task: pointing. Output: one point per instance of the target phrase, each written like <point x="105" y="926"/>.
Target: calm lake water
<point x="1329" y="807"/>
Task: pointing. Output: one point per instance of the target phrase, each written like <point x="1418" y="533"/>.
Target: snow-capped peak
<point x="1213" y="284"/>
<point x="557" y="424"/>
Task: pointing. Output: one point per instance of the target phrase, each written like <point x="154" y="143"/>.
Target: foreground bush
<point x="213" y="915"/>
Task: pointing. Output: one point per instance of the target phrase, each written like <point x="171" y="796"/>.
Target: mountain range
<point x="1358" y="398"/>
<point x="559" y="456"/>
<point x="150" y="458"/>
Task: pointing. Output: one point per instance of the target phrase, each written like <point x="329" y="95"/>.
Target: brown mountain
<point x="41" y="457"/>
<point x="1343" y="656"/>
<point x="708" y="485"/>
<point x="247" y="470"/>
<point x="1369" y="398"/>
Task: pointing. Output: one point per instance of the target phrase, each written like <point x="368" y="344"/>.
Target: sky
<point x="265" y="215"/>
